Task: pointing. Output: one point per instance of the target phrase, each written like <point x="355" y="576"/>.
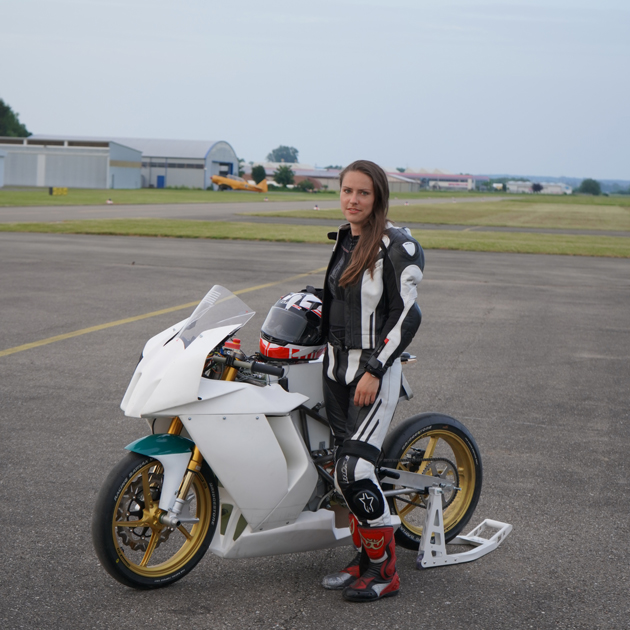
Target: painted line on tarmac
<point x="129" y="320"/>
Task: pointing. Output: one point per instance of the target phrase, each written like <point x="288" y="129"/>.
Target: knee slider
<point x="365" y="500"/>
<point x="363" y="496"/>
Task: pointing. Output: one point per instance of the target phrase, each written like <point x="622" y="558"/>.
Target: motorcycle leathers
<point x="368" y="325"/>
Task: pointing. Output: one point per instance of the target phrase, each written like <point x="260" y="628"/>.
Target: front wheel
<point x="131" y="543"/>
<point x="440" y="446"/>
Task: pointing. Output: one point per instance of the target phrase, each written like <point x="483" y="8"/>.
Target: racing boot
<point x="380" y="579"/>
<point x="350" y="573"/>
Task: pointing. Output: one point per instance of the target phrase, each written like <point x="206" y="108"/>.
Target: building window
<point x="171" y="165"/>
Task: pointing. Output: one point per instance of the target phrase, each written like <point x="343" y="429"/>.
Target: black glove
<point x="316" y="292"/>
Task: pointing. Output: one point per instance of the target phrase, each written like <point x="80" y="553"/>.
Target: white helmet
<point x="293" y="328"/>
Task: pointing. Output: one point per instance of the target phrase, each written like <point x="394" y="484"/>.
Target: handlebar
<point x="252" y="366"/>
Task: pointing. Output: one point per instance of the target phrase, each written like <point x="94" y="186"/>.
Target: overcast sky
<point x="530" y="87"/>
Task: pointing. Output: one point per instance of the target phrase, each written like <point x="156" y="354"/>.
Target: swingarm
<point x="414" y="482"/>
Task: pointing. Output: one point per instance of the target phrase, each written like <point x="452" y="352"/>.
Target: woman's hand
<point x="365" y="393"/>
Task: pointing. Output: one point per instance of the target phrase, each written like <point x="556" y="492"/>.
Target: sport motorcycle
<point x="240" y="458"/>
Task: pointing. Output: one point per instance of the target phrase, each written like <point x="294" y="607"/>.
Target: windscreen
<point x="219" y="308"/>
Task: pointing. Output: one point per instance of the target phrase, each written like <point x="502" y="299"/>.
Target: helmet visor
<point x="285" y="325"/>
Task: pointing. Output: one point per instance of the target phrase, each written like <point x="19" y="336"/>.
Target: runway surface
<point x="532" y="353"/>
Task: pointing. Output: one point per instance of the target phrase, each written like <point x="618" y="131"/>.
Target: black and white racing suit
<point x="368" y="325"/>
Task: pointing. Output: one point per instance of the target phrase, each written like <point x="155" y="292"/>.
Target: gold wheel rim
<point x="186" y="541"/>
<point x="438" y="442"/>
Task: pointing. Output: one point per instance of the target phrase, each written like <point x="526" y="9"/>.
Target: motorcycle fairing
<point x="231" y="397"/>
<point x="170" y="369"/>
<point x="278" y="486"/>
<point x="162" y="337"/>
<point x="309" y="532"/>
<point x="162" y="444"/>
<point x="170" y="374"/>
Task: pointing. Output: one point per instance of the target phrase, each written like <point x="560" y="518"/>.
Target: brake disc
<point x="414" y="460"/>
<point x="131" y="507"/>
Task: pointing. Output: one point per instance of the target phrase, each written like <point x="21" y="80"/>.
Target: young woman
<point x="369" y="317"/>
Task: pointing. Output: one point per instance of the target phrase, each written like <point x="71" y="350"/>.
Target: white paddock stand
<point x="432" y="551"/>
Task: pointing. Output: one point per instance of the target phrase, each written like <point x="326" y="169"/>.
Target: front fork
<point x="172" y="517"/>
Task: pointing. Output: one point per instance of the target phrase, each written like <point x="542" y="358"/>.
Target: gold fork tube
<point x="194" y="465"/>
<point x="176" y="426"/>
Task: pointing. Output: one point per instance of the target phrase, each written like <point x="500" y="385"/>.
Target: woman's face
<point x="357" y="199"/>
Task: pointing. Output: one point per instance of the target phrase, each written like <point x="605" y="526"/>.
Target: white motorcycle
<point x="240" y="458"/>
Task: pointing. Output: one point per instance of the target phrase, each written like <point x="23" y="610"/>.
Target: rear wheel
<point x="440" y="446"/>
<point x="131" y="543"/>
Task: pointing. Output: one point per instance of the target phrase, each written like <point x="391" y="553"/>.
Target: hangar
<point x="91" y="162"/>
<point x="71" y="163"/>
<point x="190" y="163"/>
<point x="444" y="180"/>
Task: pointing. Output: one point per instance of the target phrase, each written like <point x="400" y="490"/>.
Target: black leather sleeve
<point x="402" y="271"/>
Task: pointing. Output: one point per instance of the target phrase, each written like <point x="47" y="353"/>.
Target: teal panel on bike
<point x="161" y="444"/>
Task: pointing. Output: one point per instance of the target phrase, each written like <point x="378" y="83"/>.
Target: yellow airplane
<point x="238" y="183"/>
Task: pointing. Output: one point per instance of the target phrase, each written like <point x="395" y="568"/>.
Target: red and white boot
<point x="380" y="579"/>
<point x="350" y="573"/>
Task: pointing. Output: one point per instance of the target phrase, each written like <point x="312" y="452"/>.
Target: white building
<point x="45" y="162"/>
<point x="547" y="188"/>
<point x="438" y="179"/>
<point x="436" y="184"/>
<point x="3" y="154"/>
<point x="519" y="187"/>
<point x="397" y="182"/>
<point x="90" y="162"/>
<point x="189" y="163"/>
<point x="556" y="189"/>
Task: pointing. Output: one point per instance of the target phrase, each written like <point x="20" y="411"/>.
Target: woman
<point x="369" y="317"/>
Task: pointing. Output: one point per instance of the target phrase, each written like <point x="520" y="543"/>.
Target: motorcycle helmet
<point x="292" y="329"/>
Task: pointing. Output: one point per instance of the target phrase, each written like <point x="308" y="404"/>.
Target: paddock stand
<point x="432" y="551"/>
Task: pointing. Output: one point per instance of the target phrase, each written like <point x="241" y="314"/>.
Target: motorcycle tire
<point x="437" y="445"/>
<point x="131" y="543"/>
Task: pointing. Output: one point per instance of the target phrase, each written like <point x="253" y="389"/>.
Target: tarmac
<point x="530" y="352"/>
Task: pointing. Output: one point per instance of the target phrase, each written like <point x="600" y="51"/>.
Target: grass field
<point x="607" y="213"/>
<point x="517" y="242"/>
<point x="86" y="197"/>
<point x="586" y="200"/>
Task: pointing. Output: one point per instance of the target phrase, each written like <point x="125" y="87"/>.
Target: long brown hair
<point x="366" y="252"/>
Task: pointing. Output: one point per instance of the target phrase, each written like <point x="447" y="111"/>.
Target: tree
<point x="335" y="167"/>
<point x="306" y="185"/>
<point x="284" y="176"/>
<point x="537" y="187"/>
<point x="259" y="173"/>
<point x="241" y="171"/>
<point x="400" y="169"/>
<point x="590" y="187"/>
<point x="283" y="154"/>
<point x="10" y="124"/>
